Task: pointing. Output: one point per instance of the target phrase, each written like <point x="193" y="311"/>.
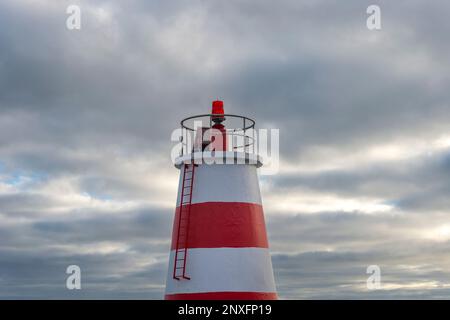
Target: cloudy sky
<point x="86" y="117"/>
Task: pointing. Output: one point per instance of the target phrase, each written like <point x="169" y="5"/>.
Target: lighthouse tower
<point x="219" y="242"/>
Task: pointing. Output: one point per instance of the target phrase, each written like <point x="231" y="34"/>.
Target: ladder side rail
<point x="179" y="225"/>
<point x="188" y="220"/>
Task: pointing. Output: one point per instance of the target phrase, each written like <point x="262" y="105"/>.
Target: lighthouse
<point x="219" y="247"/>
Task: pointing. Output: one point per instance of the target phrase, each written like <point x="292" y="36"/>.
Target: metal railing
<point x="239" y="132"/>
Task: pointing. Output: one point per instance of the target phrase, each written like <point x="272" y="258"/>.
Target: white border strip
<point x="220" y="157"/>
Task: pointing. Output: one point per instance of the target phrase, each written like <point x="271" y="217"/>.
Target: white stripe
<point x="220" y="157"/>
<point x="224" y="269"/>
<point x="224" y="183"/>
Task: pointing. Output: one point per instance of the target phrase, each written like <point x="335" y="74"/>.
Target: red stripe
<point x="224" y="224"/>
<point x="223" y="296"/>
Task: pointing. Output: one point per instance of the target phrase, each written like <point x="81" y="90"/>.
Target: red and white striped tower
<point x="219" y="243"/>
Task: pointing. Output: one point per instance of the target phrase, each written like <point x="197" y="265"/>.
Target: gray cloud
<point x="86" y="118"/>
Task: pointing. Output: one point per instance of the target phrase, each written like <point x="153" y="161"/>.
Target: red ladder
<point x="179" y="266"/>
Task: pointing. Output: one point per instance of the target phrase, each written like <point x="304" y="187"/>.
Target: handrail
<point x="247" y="124"/>
<point x="244" y="127"/>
